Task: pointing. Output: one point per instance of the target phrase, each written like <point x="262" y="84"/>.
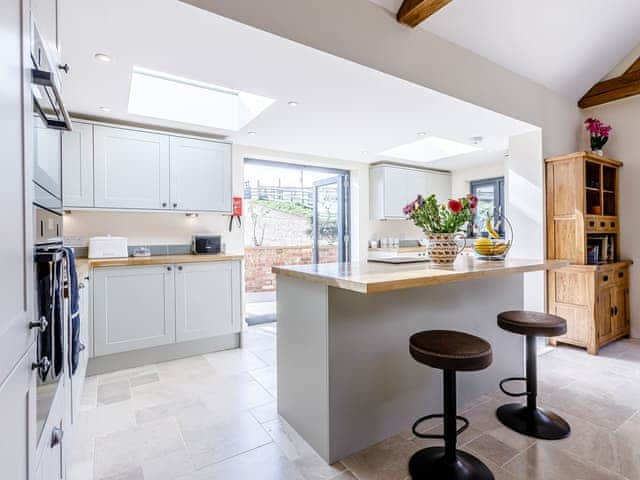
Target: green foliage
<point x="292" y="208"/>
<point x="434" y="218"/>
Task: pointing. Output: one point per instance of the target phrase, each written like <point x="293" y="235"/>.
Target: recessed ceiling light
<point x="365" y="152"/>
<point x="293" y="103"/>
<point x="422" y="134"/>
<point x="105" y="109"/>
<point x="476" y="140"/>
<point x="251" y="133"/>
<point x="103" y="57"/>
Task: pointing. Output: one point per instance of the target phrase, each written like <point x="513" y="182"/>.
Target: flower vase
<point x="443" y="248"/>
<point x="598" y="152"/>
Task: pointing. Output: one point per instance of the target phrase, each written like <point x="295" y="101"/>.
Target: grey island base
<point x="345" y="377"/>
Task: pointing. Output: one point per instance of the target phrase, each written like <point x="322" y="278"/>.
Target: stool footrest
<point x="513" y="379"/>
<point x="439" y="436"/>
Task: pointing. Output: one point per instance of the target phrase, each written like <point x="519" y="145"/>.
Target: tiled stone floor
<point x="214" y="417"/>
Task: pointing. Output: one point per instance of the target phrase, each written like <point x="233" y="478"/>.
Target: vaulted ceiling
<point x="566" y="45"/>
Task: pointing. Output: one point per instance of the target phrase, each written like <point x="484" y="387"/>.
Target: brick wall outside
<point x="259" y="260"/>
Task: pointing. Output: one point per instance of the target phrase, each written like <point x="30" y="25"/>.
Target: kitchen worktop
<point x="88" y="264"/>
<point x="364" y="277"/>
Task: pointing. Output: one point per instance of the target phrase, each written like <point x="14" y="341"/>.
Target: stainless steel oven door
<point x="47" y="158"/>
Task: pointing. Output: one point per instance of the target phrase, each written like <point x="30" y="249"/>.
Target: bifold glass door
<point x="331" y="220"/>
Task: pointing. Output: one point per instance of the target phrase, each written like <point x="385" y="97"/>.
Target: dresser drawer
<point x="598" y="224"/>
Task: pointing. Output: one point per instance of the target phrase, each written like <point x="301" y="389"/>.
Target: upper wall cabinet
<point x="392" y="187"/>
<point x="77" y="174"/>
<point x="122" y="169"/>
<point x="131" y="169"/>
<point x="200" y="173"/>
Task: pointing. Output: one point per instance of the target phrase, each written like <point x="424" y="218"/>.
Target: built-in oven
<point x="51" y="322"/>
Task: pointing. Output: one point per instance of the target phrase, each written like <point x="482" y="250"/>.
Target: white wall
<point x="624" y="145"/>
<point x="461" y="179"/>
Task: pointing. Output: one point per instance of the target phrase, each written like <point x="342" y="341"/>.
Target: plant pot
<point x="598" y="151"/>
<point x="443" y="248"/>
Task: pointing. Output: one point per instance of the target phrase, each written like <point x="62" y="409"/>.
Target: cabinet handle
<point x="613" y="224"/>
<point x="175" y="205"/>
<point x="180" y="267"/>
<point x="64" y="68"/>
<point x="169" y="269"/>
<point x="82" y="347"/>
<point x="605" y="278"/>
<point x="82" y="285"/>
<point x="620" y="274"/>
<point x="43" y="364"/>
<point x="42" y="324"/>
<point x="164" y="204"/>
<point x="612" y="311"/>
<point x="56" y="436"/>
<point x="592" y="223"/>
<point x="602" y="224"/>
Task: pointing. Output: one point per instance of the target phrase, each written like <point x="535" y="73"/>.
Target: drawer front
<point x="598" y="224"/>
<point x="614" y="276"/>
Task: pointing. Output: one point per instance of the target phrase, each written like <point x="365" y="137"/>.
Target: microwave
<point x="206" y="244"/>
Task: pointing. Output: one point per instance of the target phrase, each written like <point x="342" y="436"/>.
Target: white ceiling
<point x="566" y="45"/>
<point x="344" y="108"/>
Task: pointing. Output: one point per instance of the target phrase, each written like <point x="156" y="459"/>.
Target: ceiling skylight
<point x="159" y="95"/>
<point x="428" y="149"/>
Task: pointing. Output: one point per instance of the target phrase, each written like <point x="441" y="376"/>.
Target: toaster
<point x="206" y="244"/>
<point x="108" y="247"/>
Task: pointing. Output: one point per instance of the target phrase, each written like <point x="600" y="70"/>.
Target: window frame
<point x="498" y="184"/>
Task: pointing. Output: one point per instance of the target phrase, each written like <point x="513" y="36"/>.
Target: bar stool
<point x="449" y="351"/>
<point x="529" y="419"/>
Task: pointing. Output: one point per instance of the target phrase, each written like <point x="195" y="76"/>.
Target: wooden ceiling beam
<point x="626" y="85"/>
<point x="414" y="12"/>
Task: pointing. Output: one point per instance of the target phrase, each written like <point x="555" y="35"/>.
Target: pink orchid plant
<point x="599" y="133"/>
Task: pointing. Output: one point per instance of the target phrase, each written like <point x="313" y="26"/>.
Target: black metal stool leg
<point x="447" y="463"/>
<point x="529" y="419"/>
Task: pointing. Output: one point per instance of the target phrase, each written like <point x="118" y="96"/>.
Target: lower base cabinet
<point x="146" y="306"/>
<point x="594" y="299"/>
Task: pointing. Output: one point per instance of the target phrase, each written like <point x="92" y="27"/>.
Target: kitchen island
<point x="345" y="376"/>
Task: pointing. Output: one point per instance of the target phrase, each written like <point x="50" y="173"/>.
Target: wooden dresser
<point x="583" y="227"/>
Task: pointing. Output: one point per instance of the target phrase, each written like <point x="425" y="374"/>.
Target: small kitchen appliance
<point x="206" y="244"/>
<point x="108" y="247"/>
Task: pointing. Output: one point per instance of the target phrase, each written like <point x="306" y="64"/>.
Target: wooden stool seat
<point x="450" y="350"/>
<point x="536" y="324"/>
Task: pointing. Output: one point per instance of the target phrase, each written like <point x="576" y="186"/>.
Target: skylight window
<point x="428" y="149"/>
<point x="159" y="95"/>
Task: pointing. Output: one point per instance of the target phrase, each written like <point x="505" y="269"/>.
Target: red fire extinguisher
<point x="236" y="211"/>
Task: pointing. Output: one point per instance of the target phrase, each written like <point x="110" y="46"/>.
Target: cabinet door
<point x="77" y="166"/>
<point x="133" y="308"/>
<point x="440" y="184"/>
<point x="619" y="303"/>
<point x="395" y="191"/>
<point x="18" y="407"/>
<point x="131" y="169"/>
<point x="605" y="314"/>
<point x="16" y="298"/>
<point x="77" y="381"/>
<point x="207" y="300"/>
<point x="200" y="175"/>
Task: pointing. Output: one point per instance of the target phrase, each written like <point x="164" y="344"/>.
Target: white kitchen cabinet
<point x="131" y="169"/>
<point x="134" y="308"/>
<point x="77" y="381"/>
<point x="207" y="300"/>
<point x="77" y="166"/>
<point x="392" y="187"/>
<point x="17" y="421"/>
<point x="200" y="174"/>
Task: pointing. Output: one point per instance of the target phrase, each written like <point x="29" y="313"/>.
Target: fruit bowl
<point x="494" y="247"/>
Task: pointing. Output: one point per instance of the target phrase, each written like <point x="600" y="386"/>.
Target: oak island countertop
<point x="367" y="277"/>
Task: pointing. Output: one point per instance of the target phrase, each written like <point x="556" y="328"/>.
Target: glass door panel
<point x="330" y="220"/>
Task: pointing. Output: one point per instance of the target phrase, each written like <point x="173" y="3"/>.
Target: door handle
<point x="41" y="324"/>
<point x="43" y="364"/>
<point x="56" y="436"/>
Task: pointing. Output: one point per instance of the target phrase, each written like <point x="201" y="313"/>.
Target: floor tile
<point x="211" y="438"/>
<point x="491" y="448"/>
<point x="125" y="374"/>
<point x="387" y="460"/>
<point x="144" y="379"/>
<point x="544" y="461"/>
<point x="263" y="463"/>
<point x="265" y="413"/>
<point x="234" y="361"/>
<point x="298" y="451"/>
<point x="106" y="419"/>
<point x="113" y="392"/>
<point x="268" y="356"/>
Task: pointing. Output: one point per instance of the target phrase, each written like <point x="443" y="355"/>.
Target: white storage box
<point x="108" y="247"/>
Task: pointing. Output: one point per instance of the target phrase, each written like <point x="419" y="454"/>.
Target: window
<point x="490" y="193"/>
